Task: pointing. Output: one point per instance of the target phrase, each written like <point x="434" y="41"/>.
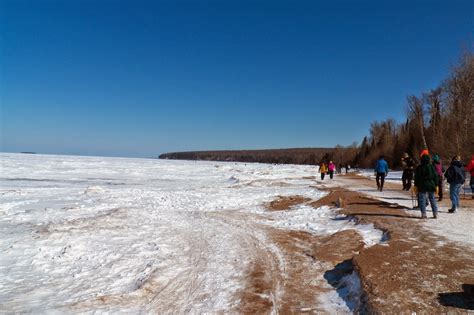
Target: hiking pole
<point x="414" y="197"/>
<point x="464" y="188"/>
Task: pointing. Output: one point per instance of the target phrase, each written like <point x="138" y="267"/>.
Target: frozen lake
<point x="84" y="234"/>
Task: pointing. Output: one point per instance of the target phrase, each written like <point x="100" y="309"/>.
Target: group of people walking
<point x="327" y="169"/>
<point x="428" y="179"/>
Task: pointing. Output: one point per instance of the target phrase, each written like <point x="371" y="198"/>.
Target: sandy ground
<point x="415" y="270"/>
<point x="426" y="266"/>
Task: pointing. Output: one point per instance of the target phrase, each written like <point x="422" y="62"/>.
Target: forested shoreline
<point x="441" y="120"/>
<point x="279" y="156"/>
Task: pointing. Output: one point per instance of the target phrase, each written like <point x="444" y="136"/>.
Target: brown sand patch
<point x="415" y="270"/>
<point x="306" y="258"/>
<point x="412" y="271"/>
<point x="256" y="298"/>
<point x="285" y="203"/>
<point x="338" y="247"/>
<point x="335" y="198"/>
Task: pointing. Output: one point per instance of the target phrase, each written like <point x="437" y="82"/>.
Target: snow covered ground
<point x="87" y="234"/>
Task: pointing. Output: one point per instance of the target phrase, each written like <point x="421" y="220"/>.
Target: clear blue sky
<point x="139" y="78"/>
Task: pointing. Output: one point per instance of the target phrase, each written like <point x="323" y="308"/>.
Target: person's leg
<point x="452" y="197"/>
<point x="422" y="203"/>
<point x="458" y="194"/>
<point x="409" y="180"/>
<point x="471" y="183"/>
<point x="404" y="179"/>
<point x="382" y="180"/>
<point x="322" y="176"/>
<point x="454" y="190"/>
<point x="434" y="205"/>
<point x="377" y="180"/>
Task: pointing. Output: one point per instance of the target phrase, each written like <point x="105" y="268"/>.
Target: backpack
<point x="453" y="176"/>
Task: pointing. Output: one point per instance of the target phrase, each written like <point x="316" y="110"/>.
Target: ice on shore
<point x="80" y="234"/>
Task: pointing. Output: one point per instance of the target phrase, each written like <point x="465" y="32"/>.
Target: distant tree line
<point x="310" y="156"/>
<point x="441" y="120"/>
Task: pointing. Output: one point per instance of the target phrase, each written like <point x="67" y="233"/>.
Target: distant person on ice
<point x="439" y="171"/>
<point x="470" y="169"/>
<point x="426" y="181"/>
<point x="455" y="176"/>
<point x="331" y="169"/>
<point x="381" y="170"/>
<point x="408" y="168"/>
<point x="323" y="169"/>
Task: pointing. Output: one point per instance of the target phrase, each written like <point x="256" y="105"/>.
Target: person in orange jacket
<point x="470" y="169"/>
<point x="323" y="169"/>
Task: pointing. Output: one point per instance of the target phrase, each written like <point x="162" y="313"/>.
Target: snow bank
<point x="322" y="221"/>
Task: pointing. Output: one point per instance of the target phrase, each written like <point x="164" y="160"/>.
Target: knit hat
<point x="424" y="152"/>
<point x="436" y="158"/>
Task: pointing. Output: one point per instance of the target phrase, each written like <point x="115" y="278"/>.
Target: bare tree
<point x="416" y="114"/>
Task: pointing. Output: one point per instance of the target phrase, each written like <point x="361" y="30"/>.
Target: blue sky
<point x="139" y="78"/>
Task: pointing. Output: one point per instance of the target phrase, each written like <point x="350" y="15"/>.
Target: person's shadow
<point x="464" y="299"/>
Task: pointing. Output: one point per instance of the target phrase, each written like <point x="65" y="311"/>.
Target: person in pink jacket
<point x="470" y="169"/>
<point x="331" y="169"/>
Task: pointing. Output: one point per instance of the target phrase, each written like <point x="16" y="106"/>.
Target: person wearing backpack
<point x="439" y="170"/>
<point x="408" y="168"/>
<point x="426" y="181"/>
<point x="455" y="176"/>
<point x="470" y="169"/>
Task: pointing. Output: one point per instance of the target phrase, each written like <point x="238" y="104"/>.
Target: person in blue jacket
<point x="381" y="170"/>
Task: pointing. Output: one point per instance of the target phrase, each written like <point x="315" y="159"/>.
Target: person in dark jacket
<point x="439" y="170"/>
<point x="381" y="170"/>
<point x="426" y="181"/>
<point x="455" y="176"/>
<point x="408" y="168"/>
